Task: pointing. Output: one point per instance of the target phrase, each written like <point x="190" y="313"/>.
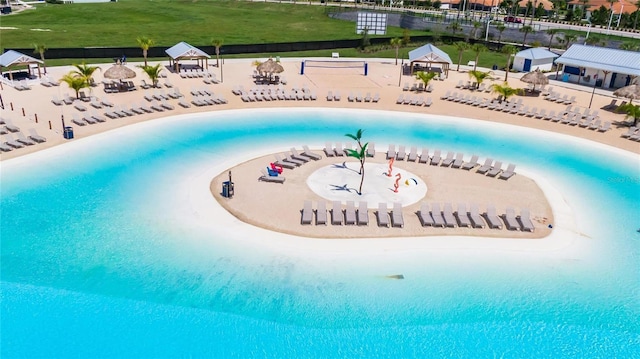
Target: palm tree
<point x="396" y="43"/>
<point x="75" y="82"/>
<point x="568" y="39"/>
<point x="454" y="27"/>
<point x="480" y="76"/>
<point x="509" y="50"/>
<point x="500" y="27"/>
<point x="595" y="40"/>
<point x="145" y="43"/>
<point x="478" y="48"/>
<point x="425" y="77"/>
<point x="461" y="46"/>
<point x="526" y="30"/>
<point x="360" y="154"/>
<point x="504" y="90"/>
<point x="552" y="33"/>
<point x="632" y="111"/>
<point x="474" y="30"/>
<point x="635" y="20"/>
<point x="40" y="49"/>
<point x="218" y="44"/>
<point x="630" y="46"/>
<point x="153" y="72"/>
<point x="85" y="71"/>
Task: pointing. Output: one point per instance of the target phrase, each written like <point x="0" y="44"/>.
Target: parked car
<point x="517" y="20"/>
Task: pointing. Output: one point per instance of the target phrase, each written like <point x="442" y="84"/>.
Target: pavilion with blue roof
<point x="429" y="55"/>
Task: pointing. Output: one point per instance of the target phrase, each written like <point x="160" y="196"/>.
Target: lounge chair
<point x="436" y="214"/>
<point x="266" y="178"/>
<point x="321" y="213"/>
<point x="350" y="213"/>
<point x="428" y="102"/>
<point x="297" y="156"/>
<point x="449" y="218"/>
<point x="307" y="152"/>
<point x="376" y="98"/>
<point x="509" y="172"/>
<point x="282" y="163"/>
<point x="448" y="160"/>
<point x="401" y="153"/>
<point x="525" y="220"/>
<point x="492" y="218"/>
<point x="307" y="213"/>
<point x="9" y="141"/>
<point x="363" y="214"/>
<point x="338" y="150"/>
<point x="604" y="127"/>
<point x="424" y="215"/>
<point x="77" y="120"/>
<point x="611" y="106"/>
<point x="413" y="154"/>
<point x="510" y="220"/>
<point x="35" y="137"/>
<point x="435" y="159"/>
<point x="328" y="150"/>
<point x="336" y="96"/>
<point x="383" y="216"/>
<point x="475" y="217"/>
<point x="336" y="213"/>
<point x="462" y="216"/>
<point x="424" y="155"/>
<point x="486" y="166"/>
<point x="396" y="215"/>
<point x="630" y="132"/>
<point x="166" y="105"/>
<point x="391" y="153"/>
<point x="330" y="95"/>
<point x="294" y="161"/>
<point x="458" y="162"/>
<point x="400" y="99"/>
<point x="371" y="149"/>
<point x="5" y="148"/>
<point x="495" y="170"/>
<point x="24" y="140"/>
<point x="80" y="107"/>
<point x="56" y="101"/>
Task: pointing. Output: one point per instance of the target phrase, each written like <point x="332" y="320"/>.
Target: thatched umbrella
<point x="270" y="67"/>
<point x="119" y="72"/>
<point x="632" y="92"/>
<point x="536" y="78"/>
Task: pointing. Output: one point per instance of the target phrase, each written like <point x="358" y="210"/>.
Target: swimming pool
<point x="111" y="247"/>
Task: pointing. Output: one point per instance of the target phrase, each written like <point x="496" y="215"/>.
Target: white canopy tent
<point x="183" y="51"/>
<point x="13" y="58"/>
<point x="429" y="54"/>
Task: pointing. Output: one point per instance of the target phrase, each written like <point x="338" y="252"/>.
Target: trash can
<point x="68" y="132"/>
<point x="227" y="189"/>
<point x="494" y="67"/>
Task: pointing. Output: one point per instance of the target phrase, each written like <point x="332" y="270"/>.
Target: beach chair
<point x="400" y="99"/>
<point x="435" y="159"/>
<point x="413" y="154"/>
<point x="376" y="97"/>
<point x="424" y="155"/>
<point x="475" y="217"/>
<point x="363" y="214"/>
<point x="424" y="216"/>
<point x="9" y="141"/>
<point x="495" y="170"/>
<point x="328" y="150"/>
<point x="336" y="213"/>
<point x="80" y="107"/>
<point x="56" y="101"/>
<point x="307" y="213"/>
<point x="35" y="136"/>
<point x="630" y="132"/>
<point x="367" y="97"/>
<point x="282" y="163"/>
<point x="297" y="156"/>
<point x="336" y="96"/>
<point x="611" y="106"/>
<point x="77" y="120"/>
<point x="486" y="166"/>
<point x="338" y="150"/>
<point x="509" y="172"/>
<point x="595" y="125"/>
<point x="20" y="137"/>
<point x="307" y="152"/>
<point x="492" y="218"/>
<point x="448" y="160"/>
<point x="5" y="148"/>
<point x="391" y="153"/>
<point x="371" y="149"/>
<point x="525" y="220"/>
<point x="401" y="154"/>
<point x="447" y="214"/>
<point x="294" y="161"/>
<point x="446" y="95"/>
<point x="330" y="95"/>
<point x="510" y="219"/>
<point x="350" y="213"/>
<point x="396" y="215"/>
<point x="436" y="214"/>
<point x="321" y="213"/>
<point x="604" y="127"/>
<point x="462" y="216"/>
<point x="428" y="102"/>
<point x="458" y="161"/>
<point x="382" y="215"/>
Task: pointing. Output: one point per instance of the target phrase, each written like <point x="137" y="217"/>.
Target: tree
<point x="461" y="46"/>
<point x="595" y="40"/>
<point x="365" y="39"/>
<point x="75" y="82"/>
<point x="145" y="43"/>
<point x="480" y="76"/>
<point x="504" y="90"/>
<point x="632" y="111"/>
<point x="630" y="46"/>
<point x="552" y="33"/>
<point x="40" y="49"/>
<point x="474" y="31"/>
<point x="526" y="30"/>
<point x="635" y="19"/>
<point x="218" y="44"/>
<point x="454" y="27"/>
<point x="568" y="40"/>
<point x="478" y="48"/>
<point x="500" y="27"/>
<point x="153" y="72"/>
<point x="509" y="50"/>
<point x="360" y="154"/>
<point x="85" y="71"/>
<point x="425" y="77"/>
<point x="406" y="37"/>
<point x="396" y="43"/>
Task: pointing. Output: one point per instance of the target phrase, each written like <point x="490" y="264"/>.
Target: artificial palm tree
<point x="478" y="49"/>
<point x="461" y="46"/>
<point x="153" y="72"/>
<point x="75" y="82"/>
<point x="145" y="44"/>
<point x="632" y="111"/>
<point x="500" y="27"/>
<point x="85" y="71"/>
<point x="218" y="44"/>
<point x="40" y="49"/>
<point x="396" y="42"/>
<point x="425" y="77"/>
<point x="552" y="33"/>
<point x="509" y="50"/>
<point x="480" y="76"/>
<point x="360" y="153"/>
<point x="526" y="30"/>
<point x="504" y="90"/>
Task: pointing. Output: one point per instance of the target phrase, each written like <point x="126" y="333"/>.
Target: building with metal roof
<point x="429" y="55"/>
<point x="532" y="59"/>
<point x="11" y="59"/>
<point x="599" y="66"/>
<point x="183" y="51"/>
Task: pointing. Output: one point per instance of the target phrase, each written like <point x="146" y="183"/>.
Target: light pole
<point x="594" y="87"/>
<point x="588" y="31"/>
<point x="620" y="16"/>
<point x="610" y="19"/>
<point x="486" y="34"/>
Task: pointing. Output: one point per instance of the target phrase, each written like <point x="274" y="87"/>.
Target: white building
<point x="534" y="59"/>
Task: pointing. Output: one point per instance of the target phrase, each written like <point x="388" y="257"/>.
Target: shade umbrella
<point x="536" y="78"/>
<point x="270" y="67"/>
<point x="632" y="92"/>
<point x="119" y="72"/>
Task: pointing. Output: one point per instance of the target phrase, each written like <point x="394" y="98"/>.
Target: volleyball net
<point x="331" y="65"/>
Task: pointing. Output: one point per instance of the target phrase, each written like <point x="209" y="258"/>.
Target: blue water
<point x="104" y="255"/>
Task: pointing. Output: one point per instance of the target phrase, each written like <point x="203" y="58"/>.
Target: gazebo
<point x="183" y="51"/>
<point x="429" y="55"/>
<point x="13" y="58"/>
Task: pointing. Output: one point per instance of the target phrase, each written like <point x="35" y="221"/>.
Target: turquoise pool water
<point x="111" y="247"/>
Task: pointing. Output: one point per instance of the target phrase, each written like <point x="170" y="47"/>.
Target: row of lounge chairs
<point x="47" y="81"/>
<point x="473" y="86"/>
<point x="414" y="100"/>
<point x="446" y="217"/>
<point x="159" y="95"/>
<point x="559" y="98"/>
<point x="205" y="100"/>
<point x="291" y="160"/>
<point x="359" y="98"/>
<point x="269" y="94"/>
<point x="633" y="134"/>
<point x="417" y="87"/>
<point x="146" y="86"/>
<point x="351" y="215"/>
<point x="613" y="105"/>
<point x="122" y="86"/>
<point x="9" y="143"/>
<point x="21" y="85"/>
<point x="339" y="150"/>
